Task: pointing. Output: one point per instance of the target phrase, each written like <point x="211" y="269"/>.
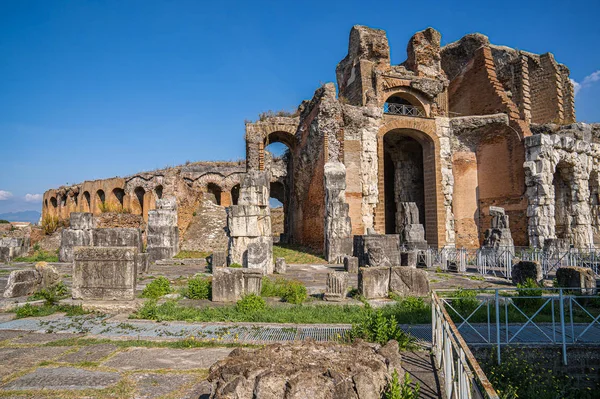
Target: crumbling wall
<point x="554" y="154"/>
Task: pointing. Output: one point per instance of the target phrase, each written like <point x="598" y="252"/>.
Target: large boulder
<point x="306" y="370"/>
<point x="526" y="269"/>
<point x="580" y="279"/>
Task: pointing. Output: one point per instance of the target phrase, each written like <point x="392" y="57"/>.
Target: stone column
<point x="163" y="233"/>
<point x="79" y="234"/>
<point x="338" y="228"/>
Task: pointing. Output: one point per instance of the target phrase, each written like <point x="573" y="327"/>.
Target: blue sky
<point x="95" y="89"/>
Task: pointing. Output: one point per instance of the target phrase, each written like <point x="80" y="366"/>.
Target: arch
<point x="53" y="202"/>
<point x="214" y="192"/>
<point x="235" y="194"/>
<point x="405" y="102"/>
<point x="158" y="190"/>
<point x="138" y="200"/>
<point x="76" y="198"/>
<point x="119" y="195"/>
<point x="438" y="212"/>
<point x="87" y="201"/>
<point x="100" y="200"/>
<point x="564" y="198"/>
<point x="63" y="200"/>
<point x="287" y="138"/>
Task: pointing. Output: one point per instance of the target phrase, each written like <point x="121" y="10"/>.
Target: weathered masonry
<point x="422" y="149"/>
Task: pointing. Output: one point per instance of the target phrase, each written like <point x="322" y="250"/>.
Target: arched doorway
<point x="563" y="201"/>
<point x="213" y="193"/>
<point x="87" y="202"/>
<point x="119" y="197"/>
<point x="235" y="194"/>
<point x="279" y="160"/>
<point x="404" y="104"/>
<point x="137" y="204"/>
<point x="100" y="201"/>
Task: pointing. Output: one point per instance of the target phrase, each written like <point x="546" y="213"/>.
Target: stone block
<point x="500" y="222"/>
<point x="260" y="255"/>
<point x="167" y="203"/>
<point x="280" y="266"/>
<point x="160" y="253"/>
<point x="162" y="218"/>
<point x="413" y="233"/>
<point x="337" y="286"/>
<point x="580" y="279"/>
<point x="351" y="264"/>
<point x="374" y="282"/>
<point x="230" y="285"/>
<point x="496" y="211"/>
<point x="244" y="220"/>
<point x="218" y="259"/>
<point x="21" y="283"/>
<point x="118" y="237"/>
<point x="143" y="263"/>
<point x="82" y="221"/>
<point x="163" y="236"/>
<point x="254" y="189"/>
<point x="71" y="238"/>
<point x="407" y="281"/>
<point x="377" y="250"/>
<point x="105" y="273"/>
<point x="524" y="270"/>
<point x="48" y="276"/>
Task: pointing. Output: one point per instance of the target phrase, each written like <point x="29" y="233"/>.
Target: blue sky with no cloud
<point x="95" y="89"/>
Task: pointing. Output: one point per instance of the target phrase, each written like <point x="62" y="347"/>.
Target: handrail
<point x="403" y="109"/>
<point x="463" y="376"/>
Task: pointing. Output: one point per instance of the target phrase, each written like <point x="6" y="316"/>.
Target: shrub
<point x="532" y="289"/>
<point x="288" y="290"/>
<point x="199" y="288"/>
<point x="26" y="310"/>
<point x="2" y="221"/>
<point x="157" y="288"/>
<point x="464" y="301"/>
<point x="380" y="328"/>
<point x="250" y="303"/>
<point x="50" y="224"/>
<point x="51" y="295"/>
<point x="397" y="390"/>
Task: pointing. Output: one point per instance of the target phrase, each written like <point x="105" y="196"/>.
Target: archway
<point x="404" y="103"/>
<point x="159" y="192"/>
<point x="119" y="198"/>
<point x="563" y="201"/>
<point x="278" y="202"/>
<point x="213" y="193"/>
<point x="235" y="194"/>
<point x="53" y="202"/>
<point x="138" y="201"/>
<point x="87" y="203"/>
<point x="100" y="201"/>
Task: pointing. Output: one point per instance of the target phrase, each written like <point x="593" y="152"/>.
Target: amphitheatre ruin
<point x="462" y="169"/>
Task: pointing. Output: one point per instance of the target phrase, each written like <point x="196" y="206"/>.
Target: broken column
<point x="104" y="273"/>
<point x="338" y="227"/>
<point x="163" y="232"/>
<point x="249" y="224"/>
<point x="374" y="282"/>
<point x="79" y="234"/>
<point x="412" y="233"/>
<point x="337" y="286"/>
<point x="498" y="236"/>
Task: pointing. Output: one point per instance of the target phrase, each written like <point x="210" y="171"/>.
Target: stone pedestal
<point x="580" y="279"/>
<point x="280" y="266"/>
<point x="79" y="234"/>
<point x="105" y="273"/>
<point x="374" y="282"/>
<point x="377" y="250"/>
<point x="13" y="247"/>
<point x="526" y="270"/>
<point x="337" y="286"/>
<point x="163" y="231"/>
<point x="230" y="285"/>
<point x="406" y="281"/>
<point x="351" y="264"/>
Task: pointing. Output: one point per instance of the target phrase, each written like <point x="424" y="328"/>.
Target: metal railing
<point x="499" y="261"/>
<point x="524" y="316"/>
<point x="402" y="109"/>
<point x="463" y="378"/>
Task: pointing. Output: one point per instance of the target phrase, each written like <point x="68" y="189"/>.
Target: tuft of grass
<point x="157" y="288"/>
<point x="401" y="390"/>
<point x="188" y="342"/>
<point x="250" y="303"/>
<point x="288" y="290"/>
<point x="192" y="255"/>
<point x="198" y="288"/>
<point x="28" y="310"/>
<point x="51" y="295"/>
<point x="38" y="256"/>
<point x="293" y="253"/>
<point x="379" y="327"/>
<point x="50" y="224"/>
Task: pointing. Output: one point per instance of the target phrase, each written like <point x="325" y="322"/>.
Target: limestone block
<point x="162" y="218"/>
<point x="167" y="203"/>
<point x="500" y="222"/>
<point x="70" y="239"/>
<point x="254" y="189"/>
<point x="218" y="259"/>
<point x="82" y="221"/>
<point x="406" y="281"/>
<point x="118" y="237"/>
<point x="351" y="264"/>
<point x="496" y="211"/>
<point x="248" y="221"/>
<point x="105" y="273"/>
<point x="280" y="266"/>
<point x="160" y="253"/>
<point x="377" y="249"/>
<point x="413" y="232"/>
<point x="143" y="263"/>
<point x="21" y="283"/>
<point x="260" y="255"/>
<point x="48" y="276"/>
<point x="580" y="279"/>
<point x="407" y="213"/>
<point x="524" y="270"/>
<point x="374" y="282"/>
<point x="337" y="286"/>
<point x="163" y="236"/>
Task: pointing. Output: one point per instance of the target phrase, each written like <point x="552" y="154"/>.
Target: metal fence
<point x="402" y="109"/>
<point x="499" y="261"/>
<point x="524" y="316"/>
<point x="463" y="378"/>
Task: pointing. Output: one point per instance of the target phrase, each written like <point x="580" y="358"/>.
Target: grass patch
<point x="297" y="254"/>
<point x="288" y="290"/>
<point x="413" y="311"/>
<point x="38" y="256"/>
<point x="477" y="278"/>
<point x="192" y="255"/>
<point x="189" y="342"/>
<point x="198" y="288"/>
<point x="28" y="310"/>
